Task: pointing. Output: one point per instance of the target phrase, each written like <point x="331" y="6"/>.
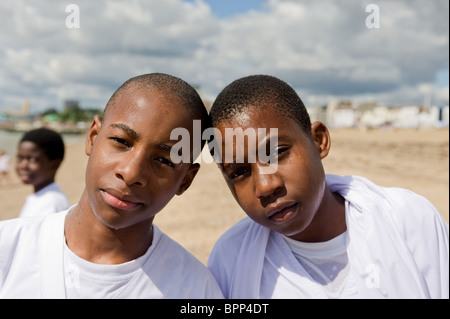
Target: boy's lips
<point x="118" y="200"/>
<point x="282" y="212"/>
<point x="25" y="176"/>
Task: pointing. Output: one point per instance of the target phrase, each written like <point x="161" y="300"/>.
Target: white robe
<point x="397" y="247"/>
<point x="32" y="264"/>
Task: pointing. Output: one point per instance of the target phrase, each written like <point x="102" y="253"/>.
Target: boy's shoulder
<point x="235" y="238"/>
<point x="412" y="210"/>
<point x="21" y="249"/>
<point x="407" y="211"/>
<point x="235" y="235"/>
<point x="364" y="193"/>
<point x="16" y="226"/>
<point x="14" y="230"/>
<point x="180" y="255"/>
<point x="177" y="272"/>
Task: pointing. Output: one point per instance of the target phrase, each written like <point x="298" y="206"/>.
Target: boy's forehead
<point x="30" y="147"/>
<point x="144" y="101"/>
<point x="147" y="112"/>
<point x="266" y="116"/>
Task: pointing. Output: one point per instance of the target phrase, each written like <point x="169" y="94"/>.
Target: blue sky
<point x="442" y="78"/>
<point x="227" y="8"/>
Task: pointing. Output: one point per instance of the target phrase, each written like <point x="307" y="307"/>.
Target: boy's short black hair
<point x="48" y="140"/>
<point x="169" y="84"/>
<point x="173" y="87"/>
<point x="260" y="91"/>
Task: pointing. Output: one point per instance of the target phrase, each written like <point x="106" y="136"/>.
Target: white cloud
<point x="322" y="48"/>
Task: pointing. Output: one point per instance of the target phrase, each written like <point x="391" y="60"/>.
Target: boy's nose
<point x="266" y="185"/>
<point x="133" y="171"/>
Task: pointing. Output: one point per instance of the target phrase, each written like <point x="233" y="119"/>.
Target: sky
<point x="228" y="8"/>
<point x="323" y="49"/>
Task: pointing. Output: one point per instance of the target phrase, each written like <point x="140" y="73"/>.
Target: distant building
<point x="375" y="116"/>
<point x="370" y="115"/>
<point x="26" y="108"/>
<point x="318" y="113"/>
<point x="341" y="115"/>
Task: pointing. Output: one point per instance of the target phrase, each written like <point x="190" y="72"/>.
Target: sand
<point x="417" y="160"/>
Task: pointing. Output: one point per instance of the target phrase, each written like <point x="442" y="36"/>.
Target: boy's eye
<point x="281" y="150"/>
<point x="165" y="161"/>
<point x="120" y="141"/>
<point x="30" y="159"/>
<point x="275" y="154"/>
<point x="238" y="172"/>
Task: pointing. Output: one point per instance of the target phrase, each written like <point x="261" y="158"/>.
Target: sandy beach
<point x="417" y="160"/>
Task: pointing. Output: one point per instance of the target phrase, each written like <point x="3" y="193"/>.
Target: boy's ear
<point x="321" y="138"/>
<point x="188" y="178"/>
<point x="92" y="134"/>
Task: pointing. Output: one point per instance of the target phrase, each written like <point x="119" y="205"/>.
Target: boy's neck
<point x="95" y="242"/>
<point x="38" y="187"/>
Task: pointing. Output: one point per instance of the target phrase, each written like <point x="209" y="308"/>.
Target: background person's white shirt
<point x="48" y="200"/>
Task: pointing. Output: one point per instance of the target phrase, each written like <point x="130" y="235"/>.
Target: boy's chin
<point x="26" y="181"/>
<point x="117" y="219"/>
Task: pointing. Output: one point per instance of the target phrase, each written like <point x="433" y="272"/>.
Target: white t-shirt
<point x="326" y="263"/>
<point x="34" y="263"/>
<point x="47" y="201"/>
<point x="156" y="274"/>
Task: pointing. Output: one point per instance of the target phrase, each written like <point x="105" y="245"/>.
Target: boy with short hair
<point x="107" y="245"/>
<point x="311" y="235"/>
<point x="39" y="155"/>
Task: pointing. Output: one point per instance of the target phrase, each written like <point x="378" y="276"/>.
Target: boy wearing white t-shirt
<point x="107" y="246"/>
<point x="308" y="234"/>
<point x="39" y="155"/>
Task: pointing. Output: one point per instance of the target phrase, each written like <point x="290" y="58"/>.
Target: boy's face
<point x="285" y="201"/>
<point x="34" y="167"/>
<point x="130" y="176"/>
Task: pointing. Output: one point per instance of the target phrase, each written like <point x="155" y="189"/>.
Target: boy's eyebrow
<point x="227" y="165"/>
<point x="135" y="135"/>
<point x="127" y="129"/>
<point x="165" y="147"/>
<point x="272" y="139"/>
